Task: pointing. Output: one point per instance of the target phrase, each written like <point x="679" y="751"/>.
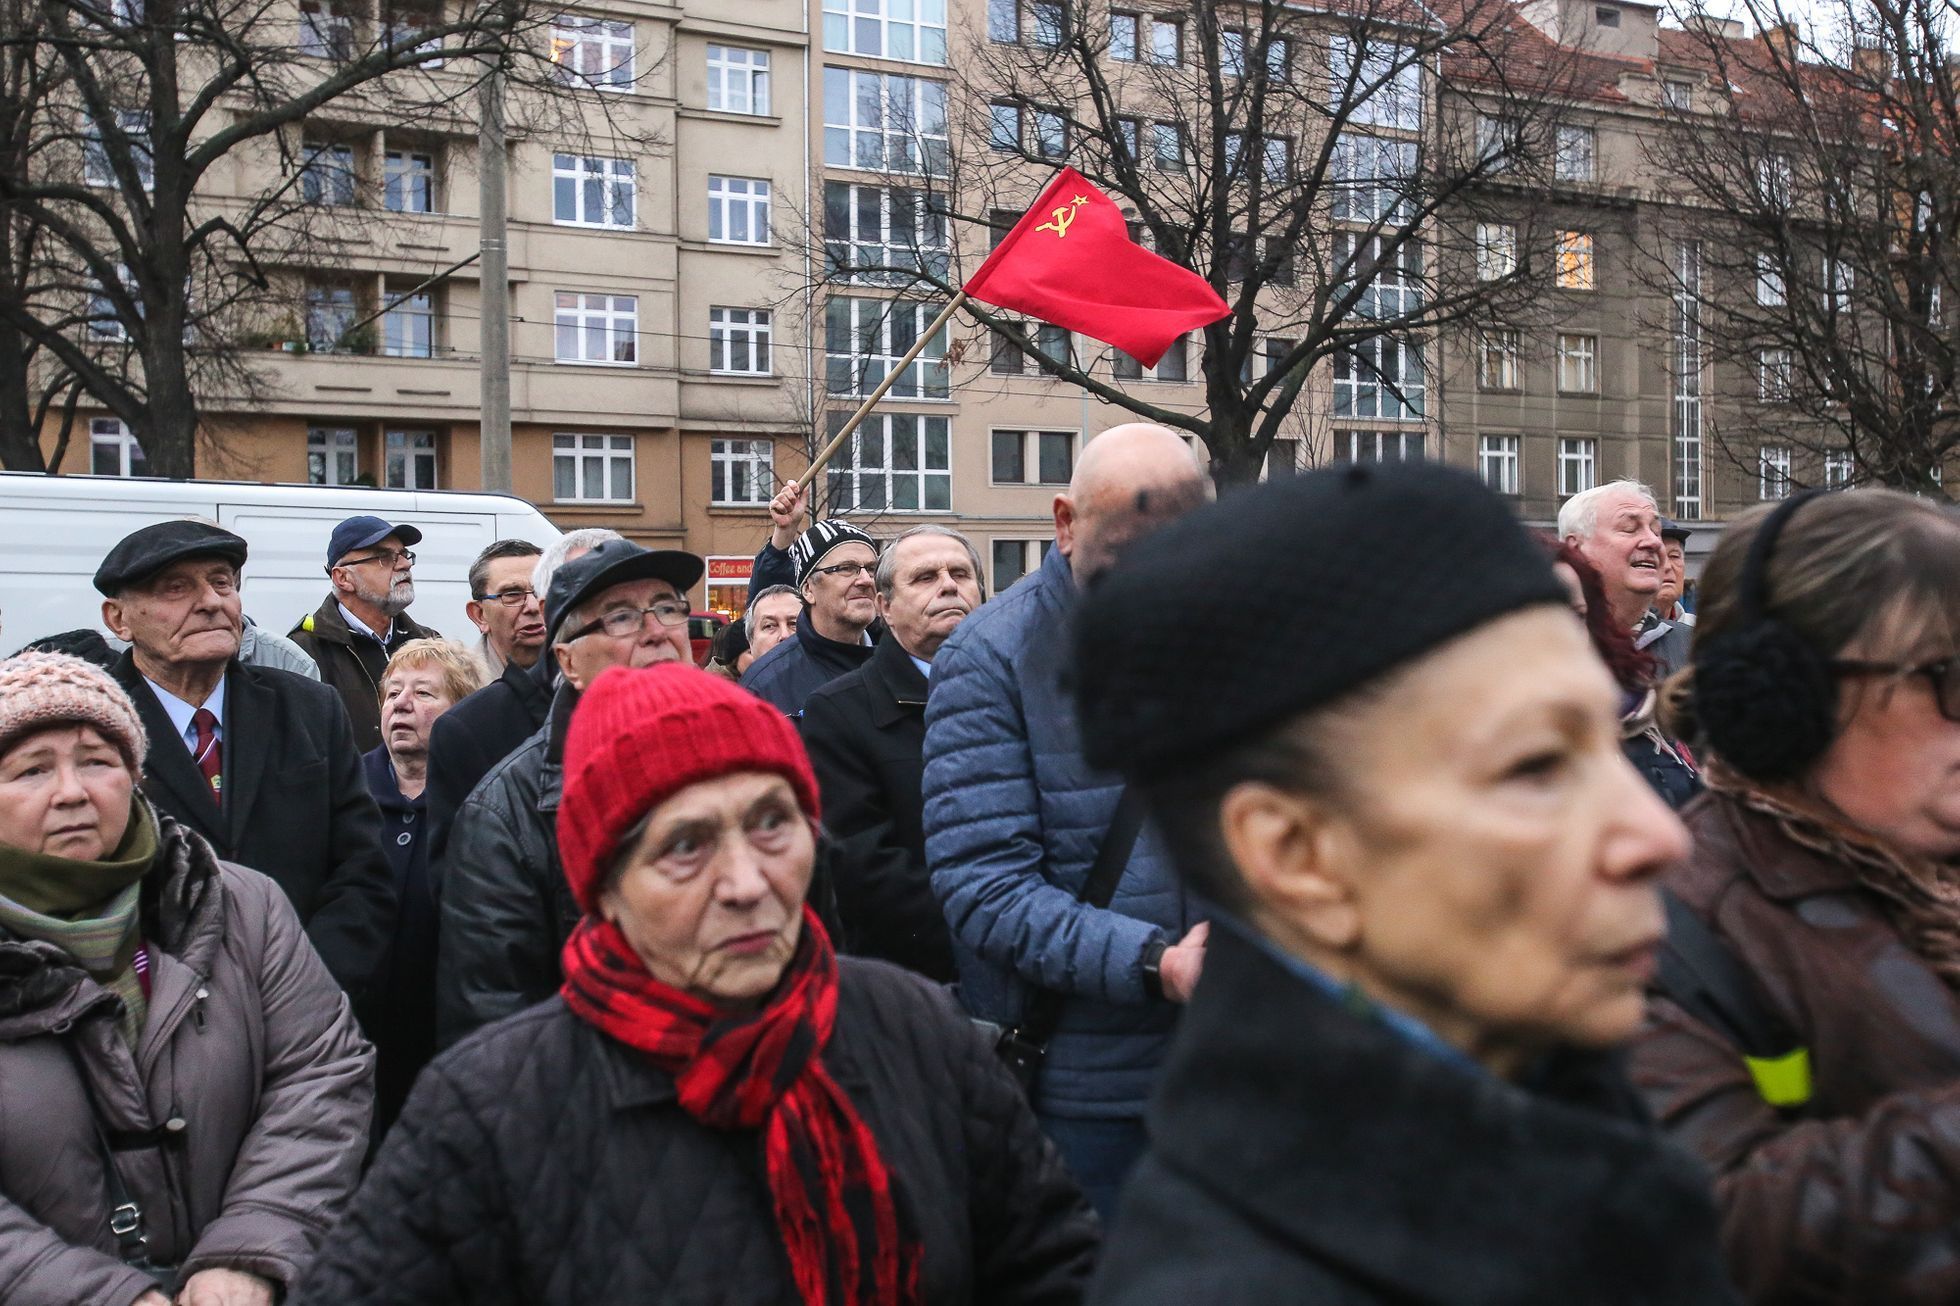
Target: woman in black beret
<point x="1435" y="878"/>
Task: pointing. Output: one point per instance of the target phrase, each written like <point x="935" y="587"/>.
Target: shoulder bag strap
<point x="125" y="1215"/>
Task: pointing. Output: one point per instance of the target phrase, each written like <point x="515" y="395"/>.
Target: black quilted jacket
<point x="540" y="1162"/>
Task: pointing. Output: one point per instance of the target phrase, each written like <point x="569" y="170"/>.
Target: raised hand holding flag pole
<point x="1070" y="261"/>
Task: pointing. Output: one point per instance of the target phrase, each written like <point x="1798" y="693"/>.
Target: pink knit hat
<point x="38" y="690"/>
<point x="640" y="736"/>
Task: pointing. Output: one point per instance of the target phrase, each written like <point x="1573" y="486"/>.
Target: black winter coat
<point x="1300" y="1153"/>
<point x="472" y="737"/>
<point x="352" y="664"/>
<point x="401" y="1021"/>
<point x="866" y="732"/>
<point x="542" y="1163"/>
<point x="789" y="673"/>
<point x="296" y="807"/>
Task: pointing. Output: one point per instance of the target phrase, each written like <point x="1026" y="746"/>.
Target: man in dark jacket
<point x="505" y="910"/>
<point x="363" y="620"/>
<point x="866" y="732"/>
<point x="261" y="763"/>
<point x="835" y="562"/>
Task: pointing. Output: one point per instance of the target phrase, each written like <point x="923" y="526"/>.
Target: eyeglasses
<point x="851" y="569"/>
<point x="1945" y="675"/>
<point x="510" y="598"/>
<point x="393" y="557"/>
<point x="621" y="622"/>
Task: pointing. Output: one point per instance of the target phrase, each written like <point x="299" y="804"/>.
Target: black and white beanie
<point x="820" y="539"/>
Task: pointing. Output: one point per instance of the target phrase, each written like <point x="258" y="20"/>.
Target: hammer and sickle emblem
<point x="1064" y="218"/>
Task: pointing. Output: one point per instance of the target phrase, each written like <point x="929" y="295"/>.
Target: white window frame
<point x="1394" y="72"/>
<point x="1382" y="378"/>
<point x="849" y="246"/>
<point x="1365" y="446"/>
<point x="1839" y="468"/>
<point x="612" y="321"/>
<point x="604" y="193"/>
<point x="405" y="176"/>
<point x="1127" y="47"/>
<point x="1773" y="472"/>
<point x="406" y="314"/>
<point x="1173" y="368"/>
<point x="333" y="455"/>
<point x="1032" y="442"/>
<point x="329" y="174"/>
<point x="109" y="435"/>
<point x="742" y="472"/>
<point x="584" y="454"/>
<point x="906" y="132"/>
<point x="1498" y="360"/>
<point x="1576" y="261"/>
<point x="1771" y="292"/>
<point x="1497" y="250"/>
<point x="1162" y="41"/>
<point x="408" y="460"/>
<point x="1499" y="465"/>
<point x="133" y="125"/>
<point x="1395" y="278"/>
<point x="105" y="324"/>
<point x="866" y="460"/>
<point x="1677" y="93"/>
<point x="596" y="53"/>
<point x="739" y="203"/>
<point x="325" y="32"/>
<point x="1776" y="371"/>
<point x="1578" y="364"/>
<point x="738" y="80"/>
<point x="1373" y="177"/>
<point x="1033" y="553"/>
<point x="735" y="334"/>
<point x="871" y="29"/>
<point x="875" y="334"/>
<point x="1776" y="179"/>
<point x="1575" y="153"/>
<point x="331" y="311"/>
<point x="1578" y="465"/>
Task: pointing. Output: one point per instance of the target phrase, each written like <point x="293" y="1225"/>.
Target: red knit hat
<point x="639" y="736"/>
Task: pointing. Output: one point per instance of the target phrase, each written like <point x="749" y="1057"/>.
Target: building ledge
<point x="724" y="115"/>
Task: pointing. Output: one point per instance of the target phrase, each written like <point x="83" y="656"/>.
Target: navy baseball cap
<point x="362" y="532"/>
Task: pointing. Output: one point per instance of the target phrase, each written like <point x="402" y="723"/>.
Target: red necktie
<point x="210" y="753"/>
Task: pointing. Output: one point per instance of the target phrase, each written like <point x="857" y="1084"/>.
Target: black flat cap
<point x="612" y="563"/>
<point x="1353" y="572"/>
<point x="143" y="553"/>
<point x="1674" y="530"/>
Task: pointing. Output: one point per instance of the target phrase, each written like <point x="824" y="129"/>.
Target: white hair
<point x="1580" y="514"/>
<point x="579" y="541"/>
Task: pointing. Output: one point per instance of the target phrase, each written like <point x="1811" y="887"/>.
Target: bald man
<point x="1015" y="823"/>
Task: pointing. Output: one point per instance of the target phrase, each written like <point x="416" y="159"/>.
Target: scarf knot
<point x="837" y="1208"/>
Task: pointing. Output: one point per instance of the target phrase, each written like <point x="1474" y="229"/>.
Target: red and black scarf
<point x="835" y="1203"/>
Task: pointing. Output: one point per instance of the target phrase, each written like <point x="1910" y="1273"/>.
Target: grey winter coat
<point x="249" y="1044"/>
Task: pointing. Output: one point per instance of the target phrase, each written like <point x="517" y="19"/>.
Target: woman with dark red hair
<point x="715" y="1108"/>
<point x="1667" y="766"/>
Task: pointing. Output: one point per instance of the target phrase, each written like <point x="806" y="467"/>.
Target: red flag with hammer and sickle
<point x="1071" y="262"/>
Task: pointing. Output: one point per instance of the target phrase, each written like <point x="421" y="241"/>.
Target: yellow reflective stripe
<point x="1783" y="1081"/>
<point x="307" y="625"/>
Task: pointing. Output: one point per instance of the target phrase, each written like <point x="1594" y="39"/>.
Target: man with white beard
<point x="363" y="620"/>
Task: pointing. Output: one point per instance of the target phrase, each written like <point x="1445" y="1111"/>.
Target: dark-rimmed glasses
<point x="1945" y="675"/>
<point x="621" y="622"/>
<point x="393" y="557"/>
<point x="510" y="598"/>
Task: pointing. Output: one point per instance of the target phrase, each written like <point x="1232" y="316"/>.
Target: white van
<point x="55" y="530"/>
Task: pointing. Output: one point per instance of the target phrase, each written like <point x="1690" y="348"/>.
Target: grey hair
<point x="887" y="577"/>
<point x="1580" y="514"/>
<point x="748" y="615"/>
<point x="583" y="540"/>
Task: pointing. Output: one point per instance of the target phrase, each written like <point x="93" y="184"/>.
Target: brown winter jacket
<point x="1857" y="1197"/>
<point x="249" y="1044"/>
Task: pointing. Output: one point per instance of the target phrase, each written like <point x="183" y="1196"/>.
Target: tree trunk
<point x="20" y="442"/>
<point x="169" y="439"/>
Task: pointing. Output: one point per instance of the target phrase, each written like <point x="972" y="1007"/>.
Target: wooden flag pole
<point x="891" y="379"/>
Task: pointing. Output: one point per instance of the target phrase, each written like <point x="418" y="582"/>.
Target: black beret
<point x="143" y="553"/>
<point x="1352" y="573"/>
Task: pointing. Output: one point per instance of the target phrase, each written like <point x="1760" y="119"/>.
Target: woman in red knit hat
<point x="715" y="1108"/>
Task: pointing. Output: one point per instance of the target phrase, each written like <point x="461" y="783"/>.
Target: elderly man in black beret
<point x="1434" y="877"/>
<point x="260" y="762"/>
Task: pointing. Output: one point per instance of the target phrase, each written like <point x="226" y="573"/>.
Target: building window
<point x="1378" y="446"/>
<point x="1497" y="250"/>
<point x="738" y="341"/>
<point x="1839" y="279"/>
<point x="884" y="235"/>
<point x="1773" y="472"/>
<point x="105" y="320"/>
<point x="1050" y="23"/>
<point x="1497" y="360"/>
<point x="1382" y="377"/>
<point x="1167" y="146"/>
<point x="405" y="26"/>
<point x="112" y="450"/>
<point x="1056" y="343"/>
<point x="738" y="79"/>
<point x="132" y="131"/>
<point x="590" y="192"/>
<point x="743" y="472"/>
<point x="597" y="328"/>
<point x="1373" y="179"/>
<point x="1605" y="16"/>
<point x="1497" y="462"/>
<point x="592" y="468"/>
<point x="1050" y="135"/>
<point x="326" y="173"/>
<point x="332" y="455"/>
<point x="1838" y="469"/>
<point x="901" y="462"/>
<point x="1578" y="364"/>
<point x="330" y="317"/>
<point x="865" y="338"/>
<point x="1500" y="142"/>
<point x="1033" y="457"/>
<point x="1014" y="559"/>
<point x="408" y="182"/>
<point x="325" y="31"/>
<point x="1392" y="277"/>
<point x="1575" y="260"/>
<point x="1770" y="291"/>
<point x="1380" y="88"/>
<point x="912" y="30"/>
<point x="882" y="122"/>
<point x="1685" y="371"/>
<point x="1004" y="21"/>
<point x="1677" y="94"/>
<point x="738" y="210"/>
<point x="1173" y="366"/>
<point x="411" y="459"/>
<point x="1775" y="373"/>
<point x="1004" y="127"/>
<point x="1578" y="466"/>
<point x="1166" y="41"/>
<point x="1007" y="359"/>
<point x="1283" y="458"/>
<point x="593" y="52"/>
<point x="1573" y="155"/>
<point x="408" y="327"/>
<point x="1773" y="178"/>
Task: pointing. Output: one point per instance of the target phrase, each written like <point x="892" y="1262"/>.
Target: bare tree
<point x="1821" y="185"/>
<point x="147" y="285"/>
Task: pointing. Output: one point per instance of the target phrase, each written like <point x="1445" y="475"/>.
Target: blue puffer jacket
<point x="1013" y="819"/>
